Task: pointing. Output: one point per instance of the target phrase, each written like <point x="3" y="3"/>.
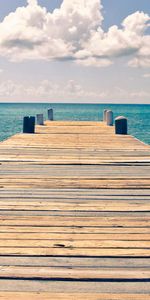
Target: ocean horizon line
<point x="77" y="103"/>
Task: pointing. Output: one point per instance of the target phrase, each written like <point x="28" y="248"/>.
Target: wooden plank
<point x="29" y="150"/>
<point x="74" y="296"/>
<point x="75" y="183"/>
<point x="83" y="252"/>
<point x="72" y="214"/>
<point x="124" y="206"/>
<point x="72" y="199"/>
<point x="75" y="273"/>
<point x="75" y="141"/>
<point x="138" y="288"/>
<point x="75" y="194"/>
<point x="74" y="123"/>
<point x="74" y="129"/>
<point x="74" y="236"/>
<point x="74" y="229"/>
<point x="70" y="262"/>
<point x="80" y="168"/>
<point x="75" y="221"/>
<point x="67" y="244"/>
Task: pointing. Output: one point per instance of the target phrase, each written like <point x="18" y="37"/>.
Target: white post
<point x="109" y="118"/>
<point x="40" y="119"/>
<point x="121" y="125"/>
<point x="104" y="115"/>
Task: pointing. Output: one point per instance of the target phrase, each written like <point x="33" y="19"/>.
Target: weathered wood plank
<point x="75" y="141"/>
<point x="88" y="221"/>
<point x="70" y="262"/>
<point x="74" y="296"/>
<point x="75" y="183"/>
<point x="83" y="252"/>
<point x="124" y="206"/>
<point x="76" y="244"/>
<point x="76" y="193"/>
<point x="75" y="221"/>
<point x="127" y="288"/>
<point x="75" y="273"/>
<point x="74" y="229"/>
<point x="74" y="236"/>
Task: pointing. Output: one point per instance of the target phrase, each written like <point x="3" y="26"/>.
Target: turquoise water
<point x="11" y="116"/>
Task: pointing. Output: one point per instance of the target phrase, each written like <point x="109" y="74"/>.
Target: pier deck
<point x="74" y="214"/>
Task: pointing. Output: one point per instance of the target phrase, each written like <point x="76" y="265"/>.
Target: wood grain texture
<point x="74" y="214"/>
<point x="75" y="273"/>
<point x="74" y="296"/>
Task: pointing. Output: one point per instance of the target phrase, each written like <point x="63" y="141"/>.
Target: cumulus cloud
<point x="47" y="90"/>
<point x="74" y="32"/>
<point x="70" y="91"/>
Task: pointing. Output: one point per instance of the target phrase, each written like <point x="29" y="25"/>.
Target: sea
<point x="11" y="116"/>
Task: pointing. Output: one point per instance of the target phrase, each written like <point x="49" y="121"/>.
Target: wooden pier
<point x="74" y="214"/>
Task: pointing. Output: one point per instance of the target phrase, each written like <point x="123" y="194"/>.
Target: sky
<point x="75" y="51"/>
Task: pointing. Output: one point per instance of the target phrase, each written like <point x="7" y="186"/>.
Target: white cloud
<point x="46" y="90"/>
<point x="74" y="32"/>
<point x="70" y="91"/>
<point x="140" y="95"/>
<point x="32" y="2"/>
<point x="142" y="59"/>
<point x="147" y="75"/>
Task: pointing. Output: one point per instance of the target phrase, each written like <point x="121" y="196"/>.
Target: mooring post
<point x="104" y="115"/>
<point x="50" y="114"/>
<point x="40" y="119"/>
<point x="25" y="124"/>
<point x="109" y="118"/>
<point x="121" y="125"/>
<point x="29" y="125"/>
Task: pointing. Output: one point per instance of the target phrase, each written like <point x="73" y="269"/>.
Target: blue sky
<point x="102" y="67"/>
<point x="115" y="10"/>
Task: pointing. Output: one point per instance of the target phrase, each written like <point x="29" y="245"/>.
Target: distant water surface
<point x="11" y="116"/>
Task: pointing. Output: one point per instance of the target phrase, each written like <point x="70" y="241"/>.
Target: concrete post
<point x="50" y="114"/>
<point x="29" y="125"/>
<point x="121" y="125"/>
<point x="104" y="115"/>
<point x="40" y="119"/>
<point x="109" y="118"/>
